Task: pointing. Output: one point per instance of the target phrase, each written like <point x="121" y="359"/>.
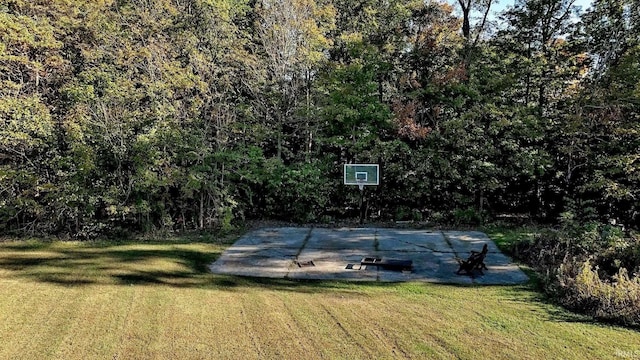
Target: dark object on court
<point x="388" y="264"/>
<point x="474" y="262"/>
<point x="304" y="263"/>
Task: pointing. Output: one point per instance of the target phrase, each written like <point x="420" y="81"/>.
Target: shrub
<point x="405" y="213"/>
<point x="593" y="271"/>
<point x="468" y="216"/>
<point x="580" y="288"/>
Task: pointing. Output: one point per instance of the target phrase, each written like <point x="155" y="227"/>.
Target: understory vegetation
<point x="592" y="269"/>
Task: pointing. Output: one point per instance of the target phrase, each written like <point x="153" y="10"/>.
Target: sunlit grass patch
<point x="506" y="237"/>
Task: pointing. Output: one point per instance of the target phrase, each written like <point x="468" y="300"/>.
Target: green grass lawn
<point x="156" y="300"/>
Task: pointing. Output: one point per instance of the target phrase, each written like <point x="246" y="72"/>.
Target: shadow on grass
<point x="549" y="310"/>
<point x="83" y="264"/>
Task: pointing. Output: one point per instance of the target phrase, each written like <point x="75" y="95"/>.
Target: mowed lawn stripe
<point x="98" y="323"/>
<point x="215" y="328"/>
<point x="34" y="328"/>
<point x="277" y="326"/>
<point x="327" y="326"/>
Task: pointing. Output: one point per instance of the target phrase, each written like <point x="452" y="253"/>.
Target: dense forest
<point x="139" y="115"/>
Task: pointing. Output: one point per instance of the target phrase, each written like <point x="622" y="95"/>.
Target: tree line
<point x="135" y="115"/>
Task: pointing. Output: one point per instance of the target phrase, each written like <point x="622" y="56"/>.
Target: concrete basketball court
<point x="335" y="254"/>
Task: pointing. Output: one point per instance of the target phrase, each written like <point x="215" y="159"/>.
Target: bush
<point x="581" y="288"/>
<point x="468" y="216"/>
<point x="593" y="271"/>
<point x="405" y="213"/>
<point x="546" y="250"/>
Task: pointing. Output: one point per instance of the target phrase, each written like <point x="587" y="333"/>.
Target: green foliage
<point x="173" y="115"/>
<point x="468" y="217"/>
<point x="355" y="116"/>
<point x="298" y="192"/>
<point x="405" y="213"/>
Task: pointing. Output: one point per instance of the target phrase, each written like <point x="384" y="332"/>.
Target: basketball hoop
<point x="361" y="175"/>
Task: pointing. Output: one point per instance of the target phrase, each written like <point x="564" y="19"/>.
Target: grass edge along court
<point x="156" y="300"/>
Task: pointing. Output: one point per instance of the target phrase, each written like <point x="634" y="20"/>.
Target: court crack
<point x="295" y="258"/>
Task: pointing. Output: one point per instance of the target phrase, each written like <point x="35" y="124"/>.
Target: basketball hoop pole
<point x="363" y="211"/>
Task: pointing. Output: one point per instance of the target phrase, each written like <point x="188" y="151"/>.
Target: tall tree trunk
<point x="308" y="119"/>
<point x="466" y="22"/>
<point x="201" y="219"/>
